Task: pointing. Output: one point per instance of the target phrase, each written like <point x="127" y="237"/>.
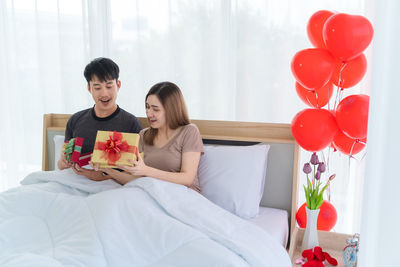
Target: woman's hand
<point x="120" y="177"/>
<point x="90" y="174"/>
<point x="139" y="168"/>
<point x="190" y="162"/>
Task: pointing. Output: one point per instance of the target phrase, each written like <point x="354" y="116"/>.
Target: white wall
<point x="380" y="234"/>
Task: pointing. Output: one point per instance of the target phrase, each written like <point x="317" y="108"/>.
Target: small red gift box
<point x="72" y="151"/>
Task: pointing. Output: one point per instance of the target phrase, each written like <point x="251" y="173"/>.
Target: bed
<point x="57" y="218"/>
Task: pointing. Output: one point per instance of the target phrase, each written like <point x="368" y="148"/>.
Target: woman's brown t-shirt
<point x="169" y="157"/>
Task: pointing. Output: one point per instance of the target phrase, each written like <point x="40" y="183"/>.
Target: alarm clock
<point x="350" y="251"/>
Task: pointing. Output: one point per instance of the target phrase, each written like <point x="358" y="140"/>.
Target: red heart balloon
<point x="313" y="67"/>
<point x="347" y="145"/>
<point x="314" y="129"/>
<point x="350" y="73"/>
<point x="352" y="116"/>
<point x="317" y="98"/>
<point x="315" y="25"/>
<point x="347" y="36"/>
<point x="327" y="216"/>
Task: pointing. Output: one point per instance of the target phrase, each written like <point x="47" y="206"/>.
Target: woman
<point x="172" y="145"/>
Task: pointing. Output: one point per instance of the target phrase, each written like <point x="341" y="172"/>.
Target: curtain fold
<point x="380" y="216"/>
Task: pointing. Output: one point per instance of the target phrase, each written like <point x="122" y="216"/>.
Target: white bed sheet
<point x="275" y="222"/>
<point x="58" y="218"/>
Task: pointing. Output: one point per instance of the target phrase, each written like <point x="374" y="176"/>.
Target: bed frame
<point x="283" y="158"/>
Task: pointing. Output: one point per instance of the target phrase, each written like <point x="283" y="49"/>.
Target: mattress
<point x="275" y="222"/>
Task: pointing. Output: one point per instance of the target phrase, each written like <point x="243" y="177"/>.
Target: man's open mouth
<point x="105" y="101"/>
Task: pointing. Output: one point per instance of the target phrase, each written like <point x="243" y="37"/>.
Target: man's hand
<point x="90" y="174"/>
<point x="62" y="163"/>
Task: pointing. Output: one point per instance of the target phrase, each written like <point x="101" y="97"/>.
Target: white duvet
<point x="58" y="218"/>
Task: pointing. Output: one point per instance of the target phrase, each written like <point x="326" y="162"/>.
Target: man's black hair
<point x="104" y="68"/>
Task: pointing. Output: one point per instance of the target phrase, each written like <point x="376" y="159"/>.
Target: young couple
<point x="172" y="145"/>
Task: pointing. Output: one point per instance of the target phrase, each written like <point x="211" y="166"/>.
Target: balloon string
<point x="364" y="143"/>
<point x="361" y="142"/>
<point x="352" y="147"/>
<point x="340" y="87"/>
<point x="341" y="94"/>
<point x="316" y="98"/>
<point x="337" y="96"/>
<point x="340" y="83"/>
<point x="323" y="158"/>
<point x="309" y="102"/>
<point x="348" y="171"/>
<point x="328" y="192"/>
<point x="327" y="167"/>
<point x="365" y="153"/>
<point x="327" y="158"/>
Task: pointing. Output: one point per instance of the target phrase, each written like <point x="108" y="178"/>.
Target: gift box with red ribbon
<point x="115" y="148"/>
<point x="72" y="151"/>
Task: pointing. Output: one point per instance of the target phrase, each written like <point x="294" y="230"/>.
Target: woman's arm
<point x="190" y="163"/>
<point x="94" y="175"/>
<point x="108" y="173"/>
<point x="120" y="177"/>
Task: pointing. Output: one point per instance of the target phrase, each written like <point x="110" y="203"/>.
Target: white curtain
<point x="231" y="59"/>
<point x="380" y="219"/>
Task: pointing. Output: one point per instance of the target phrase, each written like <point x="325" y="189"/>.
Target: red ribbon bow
<point x="113" y="147"/>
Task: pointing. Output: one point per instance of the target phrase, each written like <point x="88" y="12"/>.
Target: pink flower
<point x="321" y="167"/>
<point x="314" y="188"/>
<point x="307" y="168"/>
<point x="318" y="175"/>
<point x="314" y="159"/>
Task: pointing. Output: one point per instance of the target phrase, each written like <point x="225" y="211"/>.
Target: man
<point x="103" y="84"/>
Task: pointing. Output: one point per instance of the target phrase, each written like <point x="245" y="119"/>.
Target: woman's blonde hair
<point x="173" y="102"/>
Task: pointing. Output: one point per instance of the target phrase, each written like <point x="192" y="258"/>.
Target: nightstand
<point x="331" y="242"/>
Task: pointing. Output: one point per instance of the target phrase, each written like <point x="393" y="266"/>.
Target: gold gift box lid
<point x="115" y="148"/>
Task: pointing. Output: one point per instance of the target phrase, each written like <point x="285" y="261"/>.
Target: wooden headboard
<point x="283" y="158"/>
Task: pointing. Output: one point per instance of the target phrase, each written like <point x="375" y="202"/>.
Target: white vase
<point x="310" y="239"/>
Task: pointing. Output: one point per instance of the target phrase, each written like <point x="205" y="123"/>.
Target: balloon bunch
<point x="337" y="59"/>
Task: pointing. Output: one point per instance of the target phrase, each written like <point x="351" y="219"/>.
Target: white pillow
<point x="233" y="177"/>
<point x="58" y="144"/>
